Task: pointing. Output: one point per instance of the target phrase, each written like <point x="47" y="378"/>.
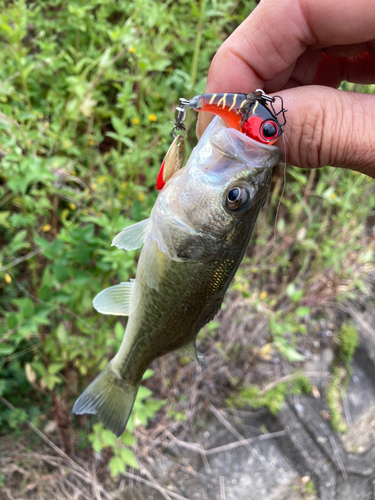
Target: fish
<point x="193" y="244"/>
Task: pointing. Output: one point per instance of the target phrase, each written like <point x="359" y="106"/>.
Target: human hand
<point x="302" y="50"/>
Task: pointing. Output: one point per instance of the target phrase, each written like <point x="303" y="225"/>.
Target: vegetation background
<point x="87" y="94"/>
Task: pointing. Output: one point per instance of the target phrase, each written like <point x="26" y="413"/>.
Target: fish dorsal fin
<point x="116" y="300"/>
<point x="132" y="237"/>
<point x="190" y="350"/>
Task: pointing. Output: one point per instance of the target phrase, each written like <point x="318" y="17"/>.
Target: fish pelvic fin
<point x="110" y="398"/>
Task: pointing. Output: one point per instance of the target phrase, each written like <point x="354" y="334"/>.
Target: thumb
<point x="330" y="127"/>
<point x="325" y="126"/>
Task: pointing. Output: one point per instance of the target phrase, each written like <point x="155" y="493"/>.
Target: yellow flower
<point x="7" y="278"/>
<point x="28" y="142"/>
<point x="152" y="117"/>
<point x="72" y="206"/>
<point x="91" y="142"/>
<point x="135" y="121"/>
<point x="101" y="179"/>
<point x="333" y="196"/>
<point x="93" y="186"/>
<point x="46" y="228"/>
<point x="263" y="295"/>
<point x="132" y="50"/>
<point x="141" y="197"/>
<point x="47" y="124"/>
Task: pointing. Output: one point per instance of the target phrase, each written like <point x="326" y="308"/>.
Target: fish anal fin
<point x="117" y="300"/>
<point x="132" y="237"/>
<point x="190" y="350"/>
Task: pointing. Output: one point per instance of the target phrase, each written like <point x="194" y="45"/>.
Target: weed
<point x="334" y="399"/>
<point x="273" y="399"/>
<point x="348" y="342"/>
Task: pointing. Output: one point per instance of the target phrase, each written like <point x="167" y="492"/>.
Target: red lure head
<point x="260" y="124"/>
<point x="248" y="113"/>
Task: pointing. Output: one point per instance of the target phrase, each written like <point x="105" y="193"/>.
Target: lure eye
<point x="269" y="130"/>
<point x="236" y="197"/>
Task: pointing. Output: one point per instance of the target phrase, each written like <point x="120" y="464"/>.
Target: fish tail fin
<point x="110" y="398"/>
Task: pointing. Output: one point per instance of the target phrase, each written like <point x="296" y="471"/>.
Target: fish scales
<point x="163" y="319"/>
<point x="193" y="244"/>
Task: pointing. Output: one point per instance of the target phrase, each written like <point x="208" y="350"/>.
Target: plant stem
<point x="59" y="424"/>
<point x="197" y="46"/>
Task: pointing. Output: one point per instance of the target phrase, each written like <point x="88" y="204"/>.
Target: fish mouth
<point x="238" y="147"/>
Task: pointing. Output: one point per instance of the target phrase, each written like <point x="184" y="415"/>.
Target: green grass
<point x="87" y="93"/>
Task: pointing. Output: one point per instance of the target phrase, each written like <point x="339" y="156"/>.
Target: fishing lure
<point x="253" y="114"/>
<point x="175" y="157"/>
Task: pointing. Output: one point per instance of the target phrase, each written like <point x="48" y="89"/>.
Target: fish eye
<point x="269" y="130"/>
<point x="236" y="197"/>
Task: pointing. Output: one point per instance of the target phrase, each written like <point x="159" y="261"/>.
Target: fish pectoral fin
<point x="109" y="397"/>
<point x="132" y="237"/>
<point x="116" y="300"/>
<point x="190" y="350"/>
<point x="155" y="262"/>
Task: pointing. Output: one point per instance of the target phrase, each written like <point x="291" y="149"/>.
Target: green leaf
<point x="119" y="331"/>
<point x="148" y="373"/>
<point x="118" y="125"/>
<point x="51" y="381"/>
<point x="108" y="438"/>
<point x="129" y="458"/>
<point x="116" y="465"/>
<point x="12" y="321"/>
<point x="39" y="367"/>
<point x="55" y="367"/>
<point x="128" y="439"/>
<point x="303" y="311"/>
<point x="6" y="349"/>
<point x="289" y="352"/>
<point x="62" y="334"/>
<point x="3" y="219"/>
<point x="143" y="392"/>
<point x="161" y="65"/>
<point x="97" y="445"/>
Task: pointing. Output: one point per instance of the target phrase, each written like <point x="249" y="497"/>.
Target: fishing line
<point x="279" y="204"/>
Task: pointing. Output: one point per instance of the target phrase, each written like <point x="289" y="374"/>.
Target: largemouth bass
<point x="193" y="242"/>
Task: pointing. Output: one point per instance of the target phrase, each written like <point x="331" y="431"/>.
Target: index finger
<point x="267" y="44"/>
